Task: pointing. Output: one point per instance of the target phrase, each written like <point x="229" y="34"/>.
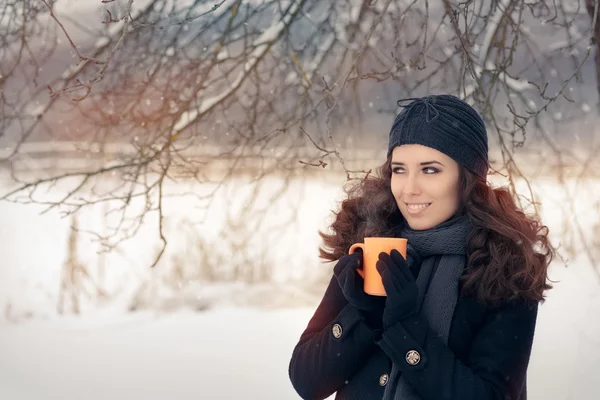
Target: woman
<point x="459" y="317"/>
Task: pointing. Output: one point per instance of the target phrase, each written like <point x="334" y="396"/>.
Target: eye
<point x="397" y="170"/>
<point x="430" y="170"/>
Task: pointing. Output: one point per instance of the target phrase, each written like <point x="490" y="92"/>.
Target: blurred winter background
<point x="165" y="167"/>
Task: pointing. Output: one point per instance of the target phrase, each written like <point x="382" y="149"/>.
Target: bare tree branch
<point x="164" y="92"/>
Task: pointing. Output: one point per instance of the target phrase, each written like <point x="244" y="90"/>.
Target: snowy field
<point x="239" y="345"/>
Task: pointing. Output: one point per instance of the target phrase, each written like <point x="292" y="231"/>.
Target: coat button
<point x="337" y="331"/>
<point x="383" y="379"/>
<point x="413" y="357"/>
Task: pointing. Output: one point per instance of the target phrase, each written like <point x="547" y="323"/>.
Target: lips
<point x="416" y="208"/>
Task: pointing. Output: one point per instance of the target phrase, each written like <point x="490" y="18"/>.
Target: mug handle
<point x="352" y="250"/>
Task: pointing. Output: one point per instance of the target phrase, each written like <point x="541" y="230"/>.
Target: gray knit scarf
<point x="438" y="285"/>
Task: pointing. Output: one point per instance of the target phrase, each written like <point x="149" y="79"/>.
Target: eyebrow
<point x="422" y="164"/>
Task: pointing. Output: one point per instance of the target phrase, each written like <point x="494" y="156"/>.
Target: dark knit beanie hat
<point x="447" y="124"/>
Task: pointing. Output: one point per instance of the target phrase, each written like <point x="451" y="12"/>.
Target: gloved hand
<point x="400" y="286"/>
<point x="352" y="285"/>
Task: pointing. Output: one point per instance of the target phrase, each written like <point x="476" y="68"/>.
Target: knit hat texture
<point x="447" y="124"/>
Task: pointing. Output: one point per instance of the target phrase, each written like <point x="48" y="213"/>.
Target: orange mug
<point x="371" y="249"/>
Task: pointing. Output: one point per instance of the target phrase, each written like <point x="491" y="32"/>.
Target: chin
<point x="420" y="225"/>
<point x="434" y="218"/>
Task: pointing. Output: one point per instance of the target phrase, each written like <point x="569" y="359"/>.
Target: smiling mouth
<point x="415" y="209"/>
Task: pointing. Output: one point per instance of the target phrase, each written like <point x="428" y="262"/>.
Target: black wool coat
<point x="486" y="356"/>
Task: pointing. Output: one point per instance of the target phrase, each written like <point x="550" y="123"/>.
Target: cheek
<point x="396" y="188"/>
<point x="449" y="194"/>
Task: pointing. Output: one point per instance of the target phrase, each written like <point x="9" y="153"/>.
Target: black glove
<point x="352" y="285"/>
<point x="400" y="286"/>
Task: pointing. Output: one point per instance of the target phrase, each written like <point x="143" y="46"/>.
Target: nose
<point x="411" y="186"/>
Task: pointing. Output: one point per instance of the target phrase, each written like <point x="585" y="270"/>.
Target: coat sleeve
<point x="496" y="365"/>
<point x="335" y="345"/>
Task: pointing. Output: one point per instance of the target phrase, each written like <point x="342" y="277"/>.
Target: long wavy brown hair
<point x="508" y="252"/>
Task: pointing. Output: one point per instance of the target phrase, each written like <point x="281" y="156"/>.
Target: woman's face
<point x="425" y="184"/>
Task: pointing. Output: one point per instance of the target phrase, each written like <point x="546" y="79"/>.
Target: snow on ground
<point x="228" y="351"/>
<point x="242" y="353"/>
<point x="224" y="354"/>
